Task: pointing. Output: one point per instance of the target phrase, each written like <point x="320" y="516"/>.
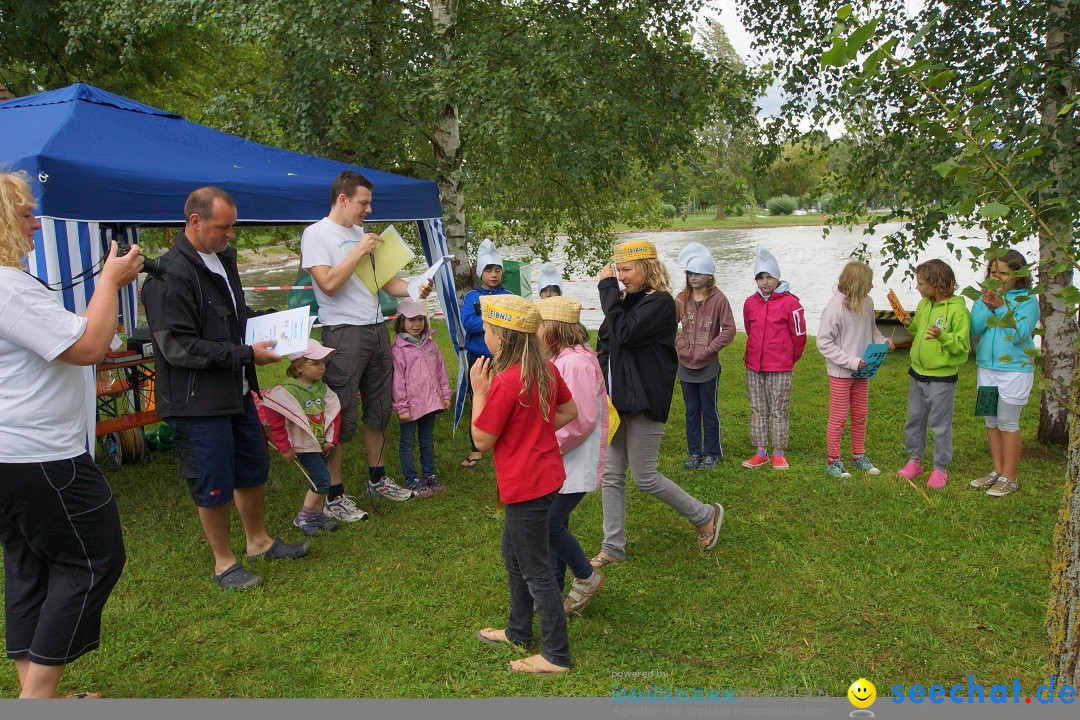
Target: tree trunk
<point x="448" y="152"/>
<point x="1063" y="613"/>
<point x="1059" y="343"/>
<point x="719" y="211"/>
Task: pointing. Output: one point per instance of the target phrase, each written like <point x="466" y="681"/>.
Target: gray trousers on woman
<point x="637" y="444"/>
<point x="930" y="403"/>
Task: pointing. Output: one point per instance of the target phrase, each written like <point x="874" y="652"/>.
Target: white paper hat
<point x="486" y="255"/>
<point x="766" y="263"/>
<point x="549" y="275"/>
<point x="697" y="259"/>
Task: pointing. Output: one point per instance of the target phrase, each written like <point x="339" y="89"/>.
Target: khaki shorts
<point x="363" y="363"/>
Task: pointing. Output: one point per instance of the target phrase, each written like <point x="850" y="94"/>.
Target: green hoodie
<point x="942" y="356"/>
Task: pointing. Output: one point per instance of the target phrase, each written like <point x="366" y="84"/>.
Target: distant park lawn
<point x="815" y="581"/>
<point x="708" y="221"/>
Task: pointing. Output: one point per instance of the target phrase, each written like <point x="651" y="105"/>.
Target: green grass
<point x="815" y="581"/>
<point x="707" y="221"/>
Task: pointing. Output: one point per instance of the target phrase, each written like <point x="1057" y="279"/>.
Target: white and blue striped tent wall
<point x="64" y="249"/>
<point x="433" y="239"/>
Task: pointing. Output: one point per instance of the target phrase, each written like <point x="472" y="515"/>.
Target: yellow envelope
<point x="391" y="256"/>
<point x="612" y="420"/>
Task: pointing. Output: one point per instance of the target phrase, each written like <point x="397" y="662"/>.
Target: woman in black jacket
<point x="636" y="347"/>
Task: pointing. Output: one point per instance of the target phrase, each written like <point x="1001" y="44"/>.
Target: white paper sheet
<point x="416" y="282"/>
<point x="291" y="329"/>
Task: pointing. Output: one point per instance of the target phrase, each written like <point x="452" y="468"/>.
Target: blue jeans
<point x="317" y="470"/>
<point x="701" y="413"/>
<point x="425" y="428"/>
<point x="564" y="548"/>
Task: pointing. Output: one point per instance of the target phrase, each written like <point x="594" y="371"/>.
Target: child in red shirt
<point x="519" y="401"/>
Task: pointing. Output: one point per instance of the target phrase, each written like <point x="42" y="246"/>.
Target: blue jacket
<point x="1002" y="348"/>
<point x="473" y="323"/>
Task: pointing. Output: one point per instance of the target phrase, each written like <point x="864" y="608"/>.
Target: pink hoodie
<point x="421" y="385"/>
<point x="775" y="331"/>
<point x="843" y="336"/>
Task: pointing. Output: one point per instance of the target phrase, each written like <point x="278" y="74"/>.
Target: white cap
<point x="486" y="255"/>
<point x="407" y="307"/>
<point x="696" y="258"/>
<point x="549" y="275"/>
<point x="766" y="263"/>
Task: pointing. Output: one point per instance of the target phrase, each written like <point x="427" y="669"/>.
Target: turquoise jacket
<point x="942" y="356"/>
<point x="1002" y="348"/>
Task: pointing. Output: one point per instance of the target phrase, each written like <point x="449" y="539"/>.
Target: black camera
<point x="123" y="247"/>
<point x="156" y="267"/>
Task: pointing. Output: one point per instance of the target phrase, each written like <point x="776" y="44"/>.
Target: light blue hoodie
<point x="1002" y="348"/>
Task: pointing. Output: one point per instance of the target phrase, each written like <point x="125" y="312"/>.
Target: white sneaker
<point x="385" y="487"/>
<point x="344" y="509"/>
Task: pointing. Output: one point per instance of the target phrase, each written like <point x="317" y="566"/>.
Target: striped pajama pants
<point x="847" y="394"/>
<point x="770" y="399"/>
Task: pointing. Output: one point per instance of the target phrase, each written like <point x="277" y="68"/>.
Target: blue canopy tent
<point x="100" y="164"/>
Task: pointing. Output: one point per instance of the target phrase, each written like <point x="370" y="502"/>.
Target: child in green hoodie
<point x="940" y="331"/>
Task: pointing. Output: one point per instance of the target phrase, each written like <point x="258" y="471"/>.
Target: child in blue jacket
<point x="489" y="270"/>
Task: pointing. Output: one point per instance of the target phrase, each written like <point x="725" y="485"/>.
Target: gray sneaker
<point x="693" y="462"/>
<point x="709" y="462"/>
<point x="986" y="481"/>
<point x="419" y="488"/>
<point x="344" y="509"/>
<point x="1002" y="487"/>
<point x="385" y="487"/>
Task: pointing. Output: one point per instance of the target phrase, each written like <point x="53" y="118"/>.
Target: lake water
<point x="809" y="262"/>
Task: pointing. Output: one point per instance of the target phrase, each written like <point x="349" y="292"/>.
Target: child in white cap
<point x="775" y="340"/>
<point x="304" y="416"/>
<point x="489" y="272"/>
<point x="708" y="326"/>
<point x="421" y="391"/>
<point x="550" y="282"/>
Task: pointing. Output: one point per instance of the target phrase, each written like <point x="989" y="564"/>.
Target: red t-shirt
<point x="528" y="463"/>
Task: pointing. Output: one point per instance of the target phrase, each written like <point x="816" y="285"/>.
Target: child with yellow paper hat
<point x="636" y="346"/>
<point x="519" y="401"/>
<point x="583" y="442"/>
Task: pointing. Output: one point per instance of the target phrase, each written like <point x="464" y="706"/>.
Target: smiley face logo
<point x="862" y="693"/>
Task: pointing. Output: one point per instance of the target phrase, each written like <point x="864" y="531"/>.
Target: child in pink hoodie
<point x="847" y="328"/>
<point x="421" y="391"/>
<point x="775" y="340"/>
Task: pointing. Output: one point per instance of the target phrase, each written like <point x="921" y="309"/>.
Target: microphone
<point x="371" y="255"/>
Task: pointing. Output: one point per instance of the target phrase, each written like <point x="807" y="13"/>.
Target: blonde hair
<point x="296" y="367"/>
<point x="523" y="348"/>
<point x="656" y="277"/>
<point x="559" y="335"/>
<point x="15" y="196"/>
<point x="854" y="284"/>
<point x="687" y="290"/>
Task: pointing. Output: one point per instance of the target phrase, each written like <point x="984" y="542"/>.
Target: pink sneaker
<point x="937" y="480"/>
<point x="912" y="470"/>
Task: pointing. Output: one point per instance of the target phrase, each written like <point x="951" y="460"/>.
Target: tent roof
<point x="94" y="155"/>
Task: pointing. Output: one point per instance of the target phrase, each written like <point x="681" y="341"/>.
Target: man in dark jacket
<point x="205" y="374"/>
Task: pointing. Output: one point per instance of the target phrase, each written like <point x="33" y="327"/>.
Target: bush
<point x="781" y="205"/>
<point x="667" y="210"/>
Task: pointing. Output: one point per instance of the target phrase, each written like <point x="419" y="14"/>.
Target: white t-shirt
<point x="213" y="264"/>
<point x="327" y="243"/>
<point x="42" y="400"/>
<point x="1013" y="387"/>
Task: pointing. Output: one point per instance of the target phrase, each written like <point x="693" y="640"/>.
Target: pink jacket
<point x="843" y="336"/>
<point x="583" y="442"/>
<point x="289" y="426"/>
<point x="775" y="331"/>
<point x="421" y="385"/>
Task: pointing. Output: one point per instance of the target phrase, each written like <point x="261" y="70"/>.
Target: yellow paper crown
<point x="509" y="311"/>
<point x="634" y="250"/>
<point x="559" y="308"/>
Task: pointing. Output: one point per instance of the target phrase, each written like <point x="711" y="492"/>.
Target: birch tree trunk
<point x="447" y="149"/>
<point x="1059" y="343"/>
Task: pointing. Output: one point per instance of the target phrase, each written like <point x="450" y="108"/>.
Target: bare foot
<point x="493" y="635"/>
<point x="536" y="665"/>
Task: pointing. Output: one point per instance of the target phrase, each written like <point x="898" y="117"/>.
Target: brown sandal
<point x="602" y="560"/>
<point x="707" y="540"/>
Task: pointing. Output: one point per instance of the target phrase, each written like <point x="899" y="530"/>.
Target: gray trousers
<point x="637" y="444"/>
<point x="930" y="404"/>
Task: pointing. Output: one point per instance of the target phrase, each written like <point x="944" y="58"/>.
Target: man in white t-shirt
<point x="354" y="326"/>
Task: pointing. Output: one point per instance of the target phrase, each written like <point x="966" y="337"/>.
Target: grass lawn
<point x="707" y="221"/>
<point x="815" y="581"/>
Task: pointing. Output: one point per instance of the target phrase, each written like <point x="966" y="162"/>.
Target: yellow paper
<point x="901" y="314"/>
<point x="612" y="420"/>
<point x="391" y="255"/>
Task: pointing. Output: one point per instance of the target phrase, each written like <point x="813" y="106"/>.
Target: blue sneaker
<point x="836" y="469"/>
<point x="863" y="463"/>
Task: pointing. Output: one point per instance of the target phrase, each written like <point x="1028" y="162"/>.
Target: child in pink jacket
<point x="775" y="340"/>
<point x="304" y="417"/>
<point x="421" y="390"/>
